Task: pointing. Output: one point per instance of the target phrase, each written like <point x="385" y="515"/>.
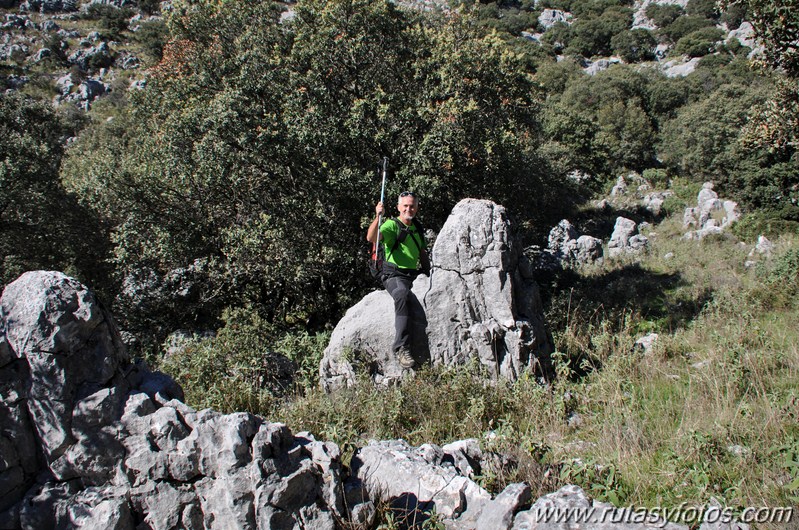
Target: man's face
<point x="407" y="207"/>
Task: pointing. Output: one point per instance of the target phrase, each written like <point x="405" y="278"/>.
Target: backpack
<point x="377" y="253"/>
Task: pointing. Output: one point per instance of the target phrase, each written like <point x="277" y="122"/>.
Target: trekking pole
<point x="382" y="200"/>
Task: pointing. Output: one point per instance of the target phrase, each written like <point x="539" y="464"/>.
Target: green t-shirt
<point x="406" y="255"/>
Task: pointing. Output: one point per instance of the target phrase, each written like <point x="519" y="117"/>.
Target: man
<point x="406" y="256"/>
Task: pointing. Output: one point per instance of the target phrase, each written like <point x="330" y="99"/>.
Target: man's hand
<point x="372" y="231"/>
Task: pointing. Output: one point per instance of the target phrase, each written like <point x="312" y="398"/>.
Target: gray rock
<point x="653" y="202"/>
<point x="49" y="6"/>
<point x="566" y="248"/>
<point x="647" y="343"/>
<point x="118" y="445"/>
<point x="706" y="193"/>
<point x="550" y="17"/>
<point x="92" y="58"/>
<point x="680" y="67"/>
<point x="620" y="188"/>
<point x="70" y="347"/>
<point x="498" y="513"/>
<point x="49" y="26"/>
<point x="764" y="247"/>
<point x="601" y="65"/>
<point x="466" y="456"/>
<point x="711" y="215"/>
<point x="481" y="303"/>
<point x="393" y="472"/>
<point x="42" y="54"/>
<point x="65" y="85"/>
<point x="68" y="34"/>
<point x="13" y="52"/>
<point x="569" y="508"/>
<point x="625" y="239"/>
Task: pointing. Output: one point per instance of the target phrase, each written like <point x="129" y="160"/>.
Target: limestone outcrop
<point x="711" y="215"/>
<point x="90" y="439"/>
<point x="625" y="239"/>
<point x="480" y="303"/>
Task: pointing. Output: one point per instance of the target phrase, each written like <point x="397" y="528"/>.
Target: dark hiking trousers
<point x="398" y="285"/>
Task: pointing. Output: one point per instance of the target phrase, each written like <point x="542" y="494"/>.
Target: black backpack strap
<point x="403" y="228"/>
<point x="396" y="239"/>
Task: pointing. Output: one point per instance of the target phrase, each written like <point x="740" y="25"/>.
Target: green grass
<point x="713" y="411"/>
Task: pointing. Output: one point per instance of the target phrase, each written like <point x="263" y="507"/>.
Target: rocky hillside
<point x="74" y="52"/>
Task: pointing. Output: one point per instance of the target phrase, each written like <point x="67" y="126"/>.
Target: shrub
<point x="702" y="8"/>
<point x="663" y="14"/>
<point x="700" y="42"/>
<point x="592" y="35"/>
<point x="733" y="15"/>
<point x="152" y="36"/>
<point x="684" y="26"/>
<point x="634" y="45"/>
<point x="241" y="368"/>
<point x="114" y="20"/>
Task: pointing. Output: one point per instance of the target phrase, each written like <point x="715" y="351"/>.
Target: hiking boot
<point x="405" y="359"/>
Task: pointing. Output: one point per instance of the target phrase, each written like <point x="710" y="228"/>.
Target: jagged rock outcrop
<point x="653" y="202"/>
<point x="90" y="439"/>
<point x="625" y="239"/>
<point x="550" y="17"/>
<point x="480" y="303"/>
<point x="572" y="248"/>
<point x="566" y="248"/>
<point x="711" y="215"/>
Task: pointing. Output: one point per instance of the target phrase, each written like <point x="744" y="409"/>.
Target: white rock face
<point x="550" y="17"/>
<point x="119" y="446"/>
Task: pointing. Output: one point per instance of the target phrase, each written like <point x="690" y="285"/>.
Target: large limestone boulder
<point x="480" y="303"/>
<point x="89" y="439"/>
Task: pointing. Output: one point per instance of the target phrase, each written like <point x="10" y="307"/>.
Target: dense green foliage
<point x="252" y="144"/>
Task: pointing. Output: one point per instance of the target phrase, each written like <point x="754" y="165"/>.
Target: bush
<point x="663" y="14"/>
<point x="114" y="20"/>
<point x="634" y="45"/>
<point x="152" y="36"/>
<point x="245" y="366"/>
<point x="780" y="288"/>
<point x="259" y="172"/>
<point x="658" y="178"/>
<point x="43" y="226"/>
<point x="592" y="36"/>
<point x="699" y="43"/>
<point x="703" y="8"/>
<point x="734" y="15"/>
<point x="683" y="26"/>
